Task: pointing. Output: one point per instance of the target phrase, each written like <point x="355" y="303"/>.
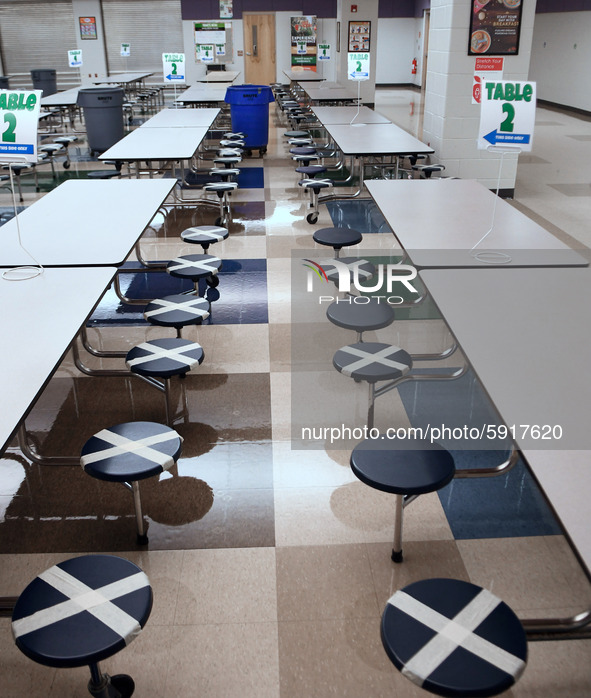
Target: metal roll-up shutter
<point x="152" y="27"/>
<point x="37" y="35"/>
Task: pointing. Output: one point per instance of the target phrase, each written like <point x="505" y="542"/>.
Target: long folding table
<point x="204" y="94"/>
<point x="526" y="333"/>
<point x="345" y="115"/>
<point x="438" y="222"/>
<point x="183" y="118"/>
<point x="220" y="76"/>
<point x="84" y="223"/>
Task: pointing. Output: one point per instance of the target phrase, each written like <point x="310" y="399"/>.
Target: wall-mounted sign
<point x="323" y="52"/>
<point x="495" y="27"/>
<point x="87" y="27"/>
<point x="486" y="68"/>
<point x="205" y="53"/>
<point x="126" y="50"/>
<point x="358" y="66"/>
<point x="19" y="119"/>
<point x="226" y="9"/>
<point x="75" y="58"/>
<point x="508" y="114"/>
<point x="173" y="67"/>
<point x="220" y="49"/>
<point x="359" y="36"/>
<point x="303" y="42"/>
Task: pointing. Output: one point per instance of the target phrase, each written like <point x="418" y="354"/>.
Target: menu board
<point x="495" y="27"/>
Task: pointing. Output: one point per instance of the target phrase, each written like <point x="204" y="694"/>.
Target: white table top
<point x="303" y="76"/>
<point x="344" y="115"/>
<point x="183" y="118"/>
<point x="204" y="92"/>
<point x="527" y="333"/>
<point x="62" y="99"/>
<point x="123" y="78"/>
<point x="374" y="139"/>
<point x="156" y="144"/>
<point x="41" y="317"/>
<point x="220" y="76"/>
<point x="84" y="222"/>
<point x="330" y="94"/>
<point x="437" y="222"/>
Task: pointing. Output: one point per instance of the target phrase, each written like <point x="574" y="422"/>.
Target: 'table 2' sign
<point x="507" y="115"/>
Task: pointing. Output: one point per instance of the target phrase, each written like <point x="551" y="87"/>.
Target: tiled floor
<point x="270" y="563"/>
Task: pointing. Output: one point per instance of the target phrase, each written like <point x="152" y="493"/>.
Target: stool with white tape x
<point x="373" y="362"/>
<point x="163" y="359"/>
<point x="196" y="267"/>
<point x="177" y="311"/>
<point x="82" y="611"/>
<point x="454" y="638"/>
<point x="130" y="452"/>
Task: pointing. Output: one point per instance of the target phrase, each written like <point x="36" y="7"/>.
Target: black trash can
<point x="249" y="109"/>
<point x="44" y="79"/>
<point x="103" y="115"/>
<point x="4" y="83"/>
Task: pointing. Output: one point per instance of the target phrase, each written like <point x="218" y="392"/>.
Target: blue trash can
<point x="249" y="109"/>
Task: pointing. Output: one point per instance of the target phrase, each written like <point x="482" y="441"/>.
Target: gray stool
<point x="365" y="315"/>
<point x="204" y="235"/>
<point x="314" y="187"/>
<point x="223" y="191"/>
<point x="337" y="238"/>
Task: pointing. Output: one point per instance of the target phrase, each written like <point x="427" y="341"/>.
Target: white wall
<point x="396" y="49"/>
<point x="560" y="58"/>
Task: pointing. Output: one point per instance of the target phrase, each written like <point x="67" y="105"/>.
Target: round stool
<point x="130" y="452"/>
<point x="177" y="311"/>
<point x="369" y="314"/>
<point x="454" y="638"/>
<point x="297" y="134"/>
<point x="164" y="358"/>
<point x="225" y="173"/>
<point x="82" y="611"/>
<point x="373" y="362"/>
<point x="66" y="141"/>
<point x="311" y="170"/>
<point x="204" y="235"/>
<point x="303" y="150"/>
<point x="50" y="150"/>
<point x="337" y="238"/>
<point x="314" y="186"/>
<point x="223" y="190"/>
<point x="196" y="267"/>
<point x="405" y="468"/>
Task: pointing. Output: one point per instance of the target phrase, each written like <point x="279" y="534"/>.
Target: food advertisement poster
<point x="303" y="43"/>
<point x="495" y="27"/>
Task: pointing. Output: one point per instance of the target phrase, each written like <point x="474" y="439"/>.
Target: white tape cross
<point x="156" y="352"/>
<point x="454" y="633"/>
<point x="141" y="447"/>
<point x="82" y="598"/>
<point x="203" y="265"/>
<point x="191" y="307"/>
<point x="368" y="359"/>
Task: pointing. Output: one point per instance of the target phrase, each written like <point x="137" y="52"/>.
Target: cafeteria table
<point x="220" y="76"/>
<point x="204" y="94"/>
<point x="184" y="118"/>
<point x="300" y="76"/>
<point x="327" y="95"/>
<point x="437" y="222"/>
<point x="526" y="333"/>
<point x="131" y="81"/>
<point x="84" y="222"/>
<point x="345" y="115"/>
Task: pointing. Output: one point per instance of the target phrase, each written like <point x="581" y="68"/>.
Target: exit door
<point x="259" y="48"/>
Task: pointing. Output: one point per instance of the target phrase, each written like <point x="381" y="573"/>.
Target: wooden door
<point x="259" y="48"/>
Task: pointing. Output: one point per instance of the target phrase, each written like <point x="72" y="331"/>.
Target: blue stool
<point x="130" y="452"/>
<point x="82" y="611"/>
<point x="196" y="267"/>
<point x="454" y="638"/>
<point x="177" y="311"/>
<point x="406" y="468"/>
<point x="337" y="238"/>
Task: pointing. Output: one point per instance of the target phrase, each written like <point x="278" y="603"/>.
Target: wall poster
<point x="495" y="27"/>
<point x="359" y="36"/>
<point x="87" y="27"/>
<point x="303" y="43"/>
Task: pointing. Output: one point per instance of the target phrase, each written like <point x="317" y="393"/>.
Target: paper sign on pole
<point x="358" y="66"/>
<point x="126" y="50"/>
<point x="323" y="52"/>
<point x="19" y="119"/>
<point x="507" y="114"/>
<point x="173" y="67"/>
<point x="75" y="58"/>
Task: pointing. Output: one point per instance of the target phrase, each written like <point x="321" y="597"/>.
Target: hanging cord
<point x="491" y="256"/>
<point x="27" y="271"/>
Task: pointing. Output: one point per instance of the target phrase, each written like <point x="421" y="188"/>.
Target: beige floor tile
<point x="224" y="660"/>
<point x="227" y="586"/>
<point x="309" y="468"/>
<point x="334" y="658"/>
<point x="327" y="582"/>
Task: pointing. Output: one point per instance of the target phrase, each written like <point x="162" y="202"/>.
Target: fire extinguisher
<point x="414" y="66"/>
